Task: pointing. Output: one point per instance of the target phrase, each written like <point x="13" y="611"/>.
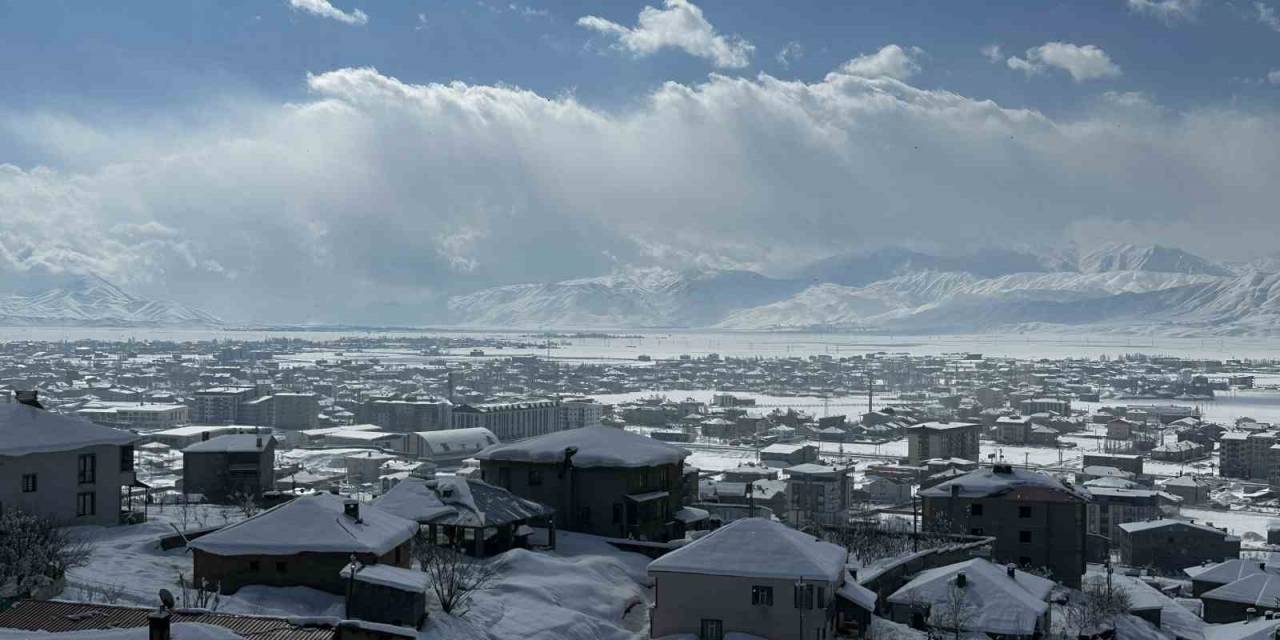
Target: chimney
<point x="1010" y="570"/>
<point x="955" y="491"/>
<point x="28" y="397"/>
<point x="158" y="624"/>
<point x="1002" y="469"/>
<point x="961" y="580"/>
<point x="257" y="442"/>
<point x="351" y="509"/>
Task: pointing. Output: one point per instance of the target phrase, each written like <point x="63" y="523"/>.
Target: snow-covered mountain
<point x="89" y="300"/>
<point x="1116" y="287"/>
<point x="638" y="297"/>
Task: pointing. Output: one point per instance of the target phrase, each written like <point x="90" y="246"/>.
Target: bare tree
<point x="35" y="552"/>
<point x="202" y="596"/>
<point x="454" y="577"/>
<point x="245" y="503"/>
<point x="954" y="614"/>
<point x="1100" y="603"/>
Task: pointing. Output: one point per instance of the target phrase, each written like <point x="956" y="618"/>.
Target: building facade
<point x="942" y="440"/>
<point x="510" y="421"/>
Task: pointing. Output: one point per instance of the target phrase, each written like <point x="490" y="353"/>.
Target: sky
<point x="348" y="160"/>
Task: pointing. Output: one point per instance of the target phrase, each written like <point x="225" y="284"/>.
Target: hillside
<point x="90" y="300"/>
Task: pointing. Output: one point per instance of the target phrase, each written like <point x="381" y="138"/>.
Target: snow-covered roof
<point x="858" y="594"/>
<point x="234" y="443"/>
<point x="941" y="426"/>
<point x="995" y="602"/>
<point x="385" y="575"/>
<point x="757" y="548"/>
<point x="412" y="499"/>
<point x="455" y="441"/>
<point x="1230" y="570"/>
<point x="1261" y="589"/>
<point x="313" y="524"/>
<point x="986" y="482"/>
<point x="597" y="447"/>
<point x="1135" y="527"/>
<point x="25" y="429"/>
<point x="1256" y="629"/>
<point x="811" y="469"/>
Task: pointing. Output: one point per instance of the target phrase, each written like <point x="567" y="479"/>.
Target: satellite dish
<point x="166" y="599"/>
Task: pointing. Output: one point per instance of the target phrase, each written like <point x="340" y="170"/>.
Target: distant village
<point x="461" y="486"/>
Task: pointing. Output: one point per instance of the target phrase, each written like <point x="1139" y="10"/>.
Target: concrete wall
<point x="682" y="601"/>
<point x="57" y="484"/>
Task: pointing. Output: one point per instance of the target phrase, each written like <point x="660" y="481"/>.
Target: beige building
<point x="758" y="577"/>
<point x="67" y="469"/>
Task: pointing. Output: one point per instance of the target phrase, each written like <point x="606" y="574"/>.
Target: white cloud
<point x="890" y="61"/>
<point x="992" y="53"/>
<point x="679" y="25"/>
<point x="323" y="9"/>
<point x="1083" y="62"/>
<point x="1274" y="77"/>
<point x="1267" y="16"/>
<point x="373" y="197"/>
<point x="789" y="53"/>
<point x="1167" y="11"/>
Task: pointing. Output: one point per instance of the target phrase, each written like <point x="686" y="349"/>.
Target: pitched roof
<point x="998" y="604"/>
<point x="1135" y="527"/>
<point x="25" y="429"/>
<point x="597" y="447"/>
<point x="313" y="524"/>
<point x="986" y="482"/>
<point x="1262" y="589"/>
<point x="757" y="548"/>
<point x="62" y="617"/>
<point x="1230" y="570"/>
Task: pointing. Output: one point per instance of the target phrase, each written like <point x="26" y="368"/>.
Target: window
<point x="535" y="477"/>
<point x="710" y="629"/>
<point x="975" y="509"/>
<point x="803" y="596"/>
<point x="762" y="596"/>
<point x="504" y="477"/>
<point x="254" y="565"/>
<point x="1024" y="512"/>
<point x="822" y="597"/>
<point x="86" y="504"/>
<point x="28" y="483"/>
<point x="282" y="567"/>
<point x="88" y="468"/>
<point x="1024" y="536"/>
<point x="126" y="458"/>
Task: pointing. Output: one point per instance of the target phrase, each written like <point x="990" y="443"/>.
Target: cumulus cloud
<point x="992" y="53"/>
<point x="1087" y="62"/>
<point x="789" y="53"/>
<point x="324" y="9"/>
<point x="1167" y="11"/>
<point x="1267" y="16"/>
<point x="679" y="25"/>
<point x="890" y="61"/>
<point x="373" y="198"/>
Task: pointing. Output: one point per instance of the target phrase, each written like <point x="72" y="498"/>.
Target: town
<point x="465" y="485"/>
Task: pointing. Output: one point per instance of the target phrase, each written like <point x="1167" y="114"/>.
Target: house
<point x="976" y="596"/>
<point x="469" y="514"/>
<point x="66" y="469"/>
<point x="1236" y="601"/>
<point x="942" y="440"/>
<point x="1191" y="489"/>
<point x="226" y="467"/>
<point x="1013" y="429"/>
<point x="818" y="494"/>
<point x="1123" y="461"/>
<point x="449" y="447"/>
<point x="1180" y="451"/>
<point x="1036" y="519"/>
<point x="304" y="542"/>
<point x="183" y="437"/>
<point x="1173" y="545"/>
<point x="768" y="581"/>
<point x="386" y="594"/>
<point x="884" y="490"/>
<point x="366" y="466"/>
<point x="1209" y="577"/>
<point x="1114" y="506"/>
<point x="600" y="480"/>
<point x="788" y="455"/>
<point x="81" y="619"/>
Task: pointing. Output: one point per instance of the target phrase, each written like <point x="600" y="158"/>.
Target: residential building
<point x="1013" y="429"/>
<point x="225" y="468"/>
<point x="183" y="437"/>
<point x="510" y="421"/>
<point x="787" y="455"/>
<point x="305" y="542"/>
<point x="295" y="411"/>
<point x="1247" y="455"/>
<point x="1206" y="578"/>
<point x="386" y="594"/>
<point x="407" y="415"/>
<point x="1246" y="598"/>
<point x="220" y="405"/>
<point x="1114" y="506"/>
<point x="576" y="413"/>
<point x="759" y="578"/>
<point x="137" y="416"/>
<point x="1191" y="489"/>
<point x="942" y="440"/>
<point x="600" y="480"/>
<point x="977" y="596"/>
<point x="1126" y="462"/>
<point x="63" y="618"/>
<point x="818" y="495"/>
<point x="63" y="468"/>
<point x="1045" y="405"/>
<point x="1173" y="545"/>
<point x="1036" y="519"/>
<point x="468" y="513"/>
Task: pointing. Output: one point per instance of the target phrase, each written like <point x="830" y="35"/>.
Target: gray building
<point x="942" y="440"/>
<point x="1173" y="545"/>
<point x="222" y="467"/>
<point x="220" y="405"/>
<point x="63" y="468"/>
<point x="1037" y="520"/>
<point x="510" y="421"/>
<point x="406" y="415"/>
<point x="600" y="480"/>
<point x="818" y="494"/>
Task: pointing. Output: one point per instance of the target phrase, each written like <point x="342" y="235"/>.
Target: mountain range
<point x="78" y="300"/>
<point x="1112" y="288"/>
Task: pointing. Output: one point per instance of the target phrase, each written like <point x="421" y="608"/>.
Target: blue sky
<point x="272" y="157"/>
